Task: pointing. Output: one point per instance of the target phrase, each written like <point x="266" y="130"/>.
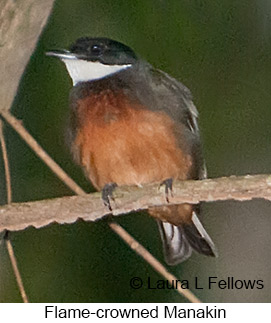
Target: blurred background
<point x="221" y="51"/>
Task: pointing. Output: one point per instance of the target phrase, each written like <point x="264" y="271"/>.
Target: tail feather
<point x="179" y="241"/>
<point x="175" y="245"/>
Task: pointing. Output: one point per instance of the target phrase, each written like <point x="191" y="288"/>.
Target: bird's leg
<point x="168" y="187"/>
<point x="107" y="194"/>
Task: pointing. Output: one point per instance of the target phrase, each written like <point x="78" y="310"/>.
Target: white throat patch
<point x="83" y="71"/>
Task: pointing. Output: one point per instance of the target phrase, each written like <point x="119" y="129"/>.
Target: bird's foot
<point x="107" y="194"/>
<point x="168" y="187"/>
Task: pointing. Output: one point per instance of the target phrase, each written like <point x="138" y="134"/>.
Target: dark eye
<point x="96" y="49"/>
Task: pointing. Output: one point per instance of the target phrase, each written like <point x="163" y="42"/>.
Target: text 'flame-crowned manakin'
<point x="131" y="124"/>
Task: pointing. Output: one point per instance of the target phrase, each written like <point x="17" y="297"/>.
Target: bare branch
<point x="19" y="216"/>
<point x="21" y="23"/>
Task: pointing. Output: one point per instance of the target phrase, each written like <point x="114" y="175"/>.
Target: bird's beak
<point x="61" y="53"/>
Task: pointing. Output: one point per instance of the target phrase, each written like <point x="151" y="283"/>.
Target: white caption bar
<point x="101" y="312"/>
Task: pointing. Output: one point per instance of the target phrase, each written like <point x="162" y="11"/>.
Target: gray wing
<point x="158" y="91"/>
<point x="176" y="100"/>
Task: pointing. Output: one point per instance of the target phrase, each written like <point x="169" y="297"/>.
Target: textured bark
<point x="21" y="23"/>
<point x="18" y="216"/>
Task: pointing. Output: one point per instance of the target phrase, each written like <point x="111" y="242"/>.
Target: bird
<point x="132" y="124"/>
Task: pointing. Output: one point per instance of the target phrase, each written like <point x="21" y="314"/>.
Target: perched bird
<point x="131" y="124"/>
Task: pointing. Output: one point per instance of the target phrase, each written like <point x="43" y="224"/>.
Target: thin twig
<point x="16" y="269"/>
<point x="6" y="164"/>
<point x="150" y="259"/>
<point x="19" y="128"/>
<point x="10" y="250"/>
<point x="17" y="125"/>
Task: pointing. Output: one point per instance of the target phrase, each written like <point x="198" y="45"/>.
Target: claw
<point x="168" y="187"/>
<point x="107" y="194"/>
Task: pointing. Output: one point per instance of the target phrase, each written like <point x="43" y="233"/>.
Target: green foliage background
<point x="221" y="51"/>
